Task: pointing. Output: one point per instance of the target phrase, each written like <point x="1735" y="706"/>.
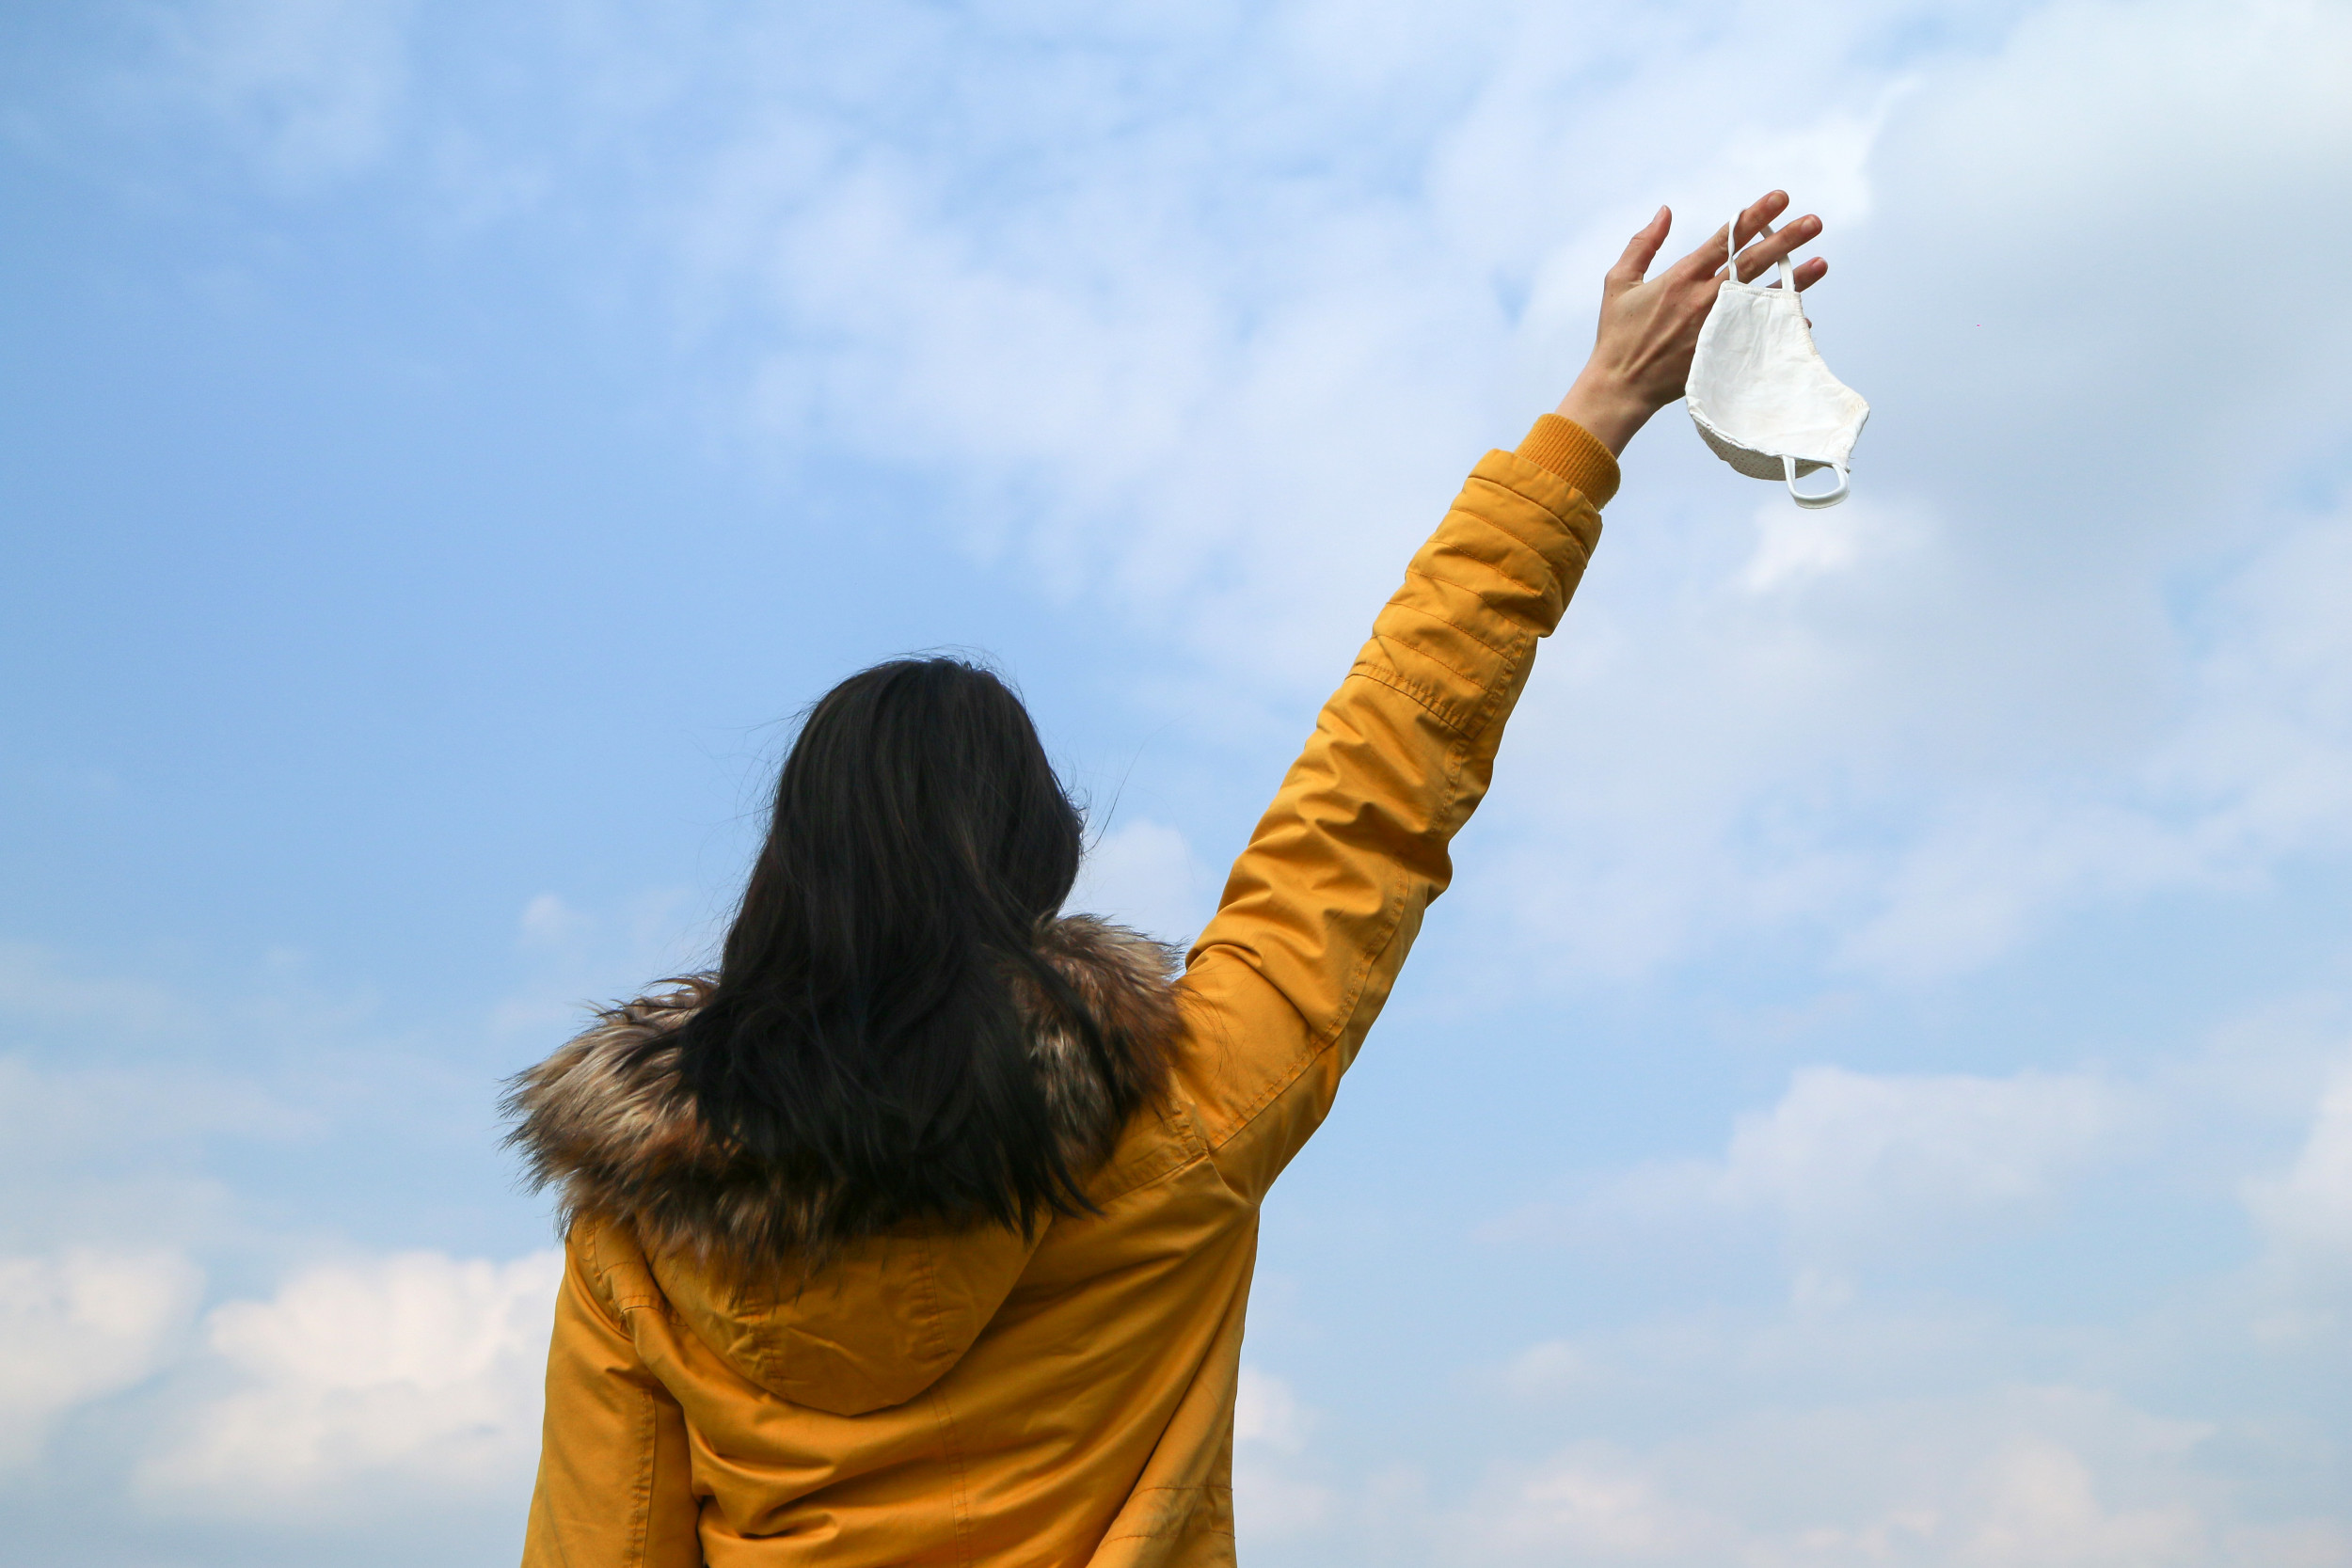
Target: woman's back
<point x="962" y="1394"/>
<point x="951" y="1398"/>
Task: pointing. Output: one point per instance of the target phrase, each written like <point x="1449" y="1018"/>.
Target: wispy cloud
<point x="1848" y="1157"/>
<point x="1109" y="307"/>
<point x="312" y="91"/>
<point x="2304" y="1215"/>
<point x="2020" y="1476"/>
<point x="1145" y="874"/>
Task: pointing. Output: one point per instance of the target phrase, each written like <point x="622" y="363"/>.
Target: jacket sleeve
<point x="1322" y="906"/>
<point x="614" y="1487"/>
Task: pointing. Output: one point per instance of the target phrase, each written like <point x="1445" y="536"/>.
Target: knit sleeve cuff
<point x="1570" y="452"/>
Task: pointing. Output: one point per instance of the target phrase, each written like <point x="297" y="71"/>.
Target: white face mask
<point x="1761" y="396"/>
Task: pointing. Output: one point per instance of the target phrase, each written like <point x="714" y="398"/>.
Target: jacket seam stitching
<point x="640" y="1501"/>
<point x="1512" y="673"/>
<point x="1204" y="1492"/>
<point x="1192" y="1147"/>
<point x="1205" y="1150"/>
<point x="1413" y="691"/>
<point x="1392" y="918"/>
<point x="928" y="1304"/>
<point x="962" y="1502"/>
<point x="1471" y="632"/>
<point x="1576" y="535"/>
<point x="1430" y="614"/>
<point x="1566" y="524"/>
<point x="1510" y="489"/>
<point x="600" y="1275"/>
<point x="1468" y="679"/>
<point x="1321" y="1043"/>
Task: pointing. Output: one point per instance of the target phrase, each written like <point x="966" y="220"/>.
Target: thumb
<point x="1640" y="250"/>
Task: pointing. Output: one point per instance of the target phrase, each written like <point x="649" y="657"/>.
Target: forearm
<point x="1607" y="408"/>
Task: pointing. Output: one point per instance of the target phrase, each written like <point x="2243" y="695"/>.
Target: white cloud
<point x="1588" y="1504"/>
<point x="1860" y="1165"/>
<point x="1144" y="874"/>
<point x="1266" y="1411"/>
<point x="314" y="87"/>
<point x="2311" y="1204"/>
<point x="50" y="1118"/>
<point x="2305" y="1217"/>
<point x="1768" y="763"/>
<point x="2018" y="1477"/>
<point x="78" y="1326"/>
<point x="2249" y="777"/>
<point x="39" y="987"/>
<point x="1849" y="1149"/>
<point x="1199" y="314"/>
<point x="359" y="1383"/>
<point x="1547" y="1368"/>
<point x="109" y="1156"/>
<point x="1961" y="707"/>
<point x="1271" y="1496"/>
<point x="576" y="958"/>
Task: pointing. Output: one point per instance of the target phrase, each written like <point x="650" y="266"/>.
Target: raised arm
<point x="1323" y="905"/>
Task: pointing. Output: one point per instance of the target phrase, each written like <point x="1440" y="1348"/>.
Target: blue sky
<point x="1881" y="1088"/>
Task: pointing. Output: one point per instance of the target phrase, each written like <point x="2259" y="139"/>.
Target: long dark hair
<point x="866" y="1037"/>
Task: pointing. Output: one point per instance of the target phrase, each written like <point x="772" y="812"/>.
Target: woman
<point x="922" y="1232"/>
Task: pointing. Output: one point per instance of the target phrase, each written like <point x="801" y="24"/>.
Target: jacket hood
<point x="883" y="1319"/>
<point x="759" y="1263"/>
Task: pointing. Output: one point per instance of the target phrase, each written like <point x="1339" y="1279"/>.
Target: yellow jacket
<point x="985" y="1398"/>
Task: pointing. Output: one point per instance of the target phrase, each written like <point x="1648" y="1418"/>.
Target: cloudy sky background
<point x="1881" y="1089"/>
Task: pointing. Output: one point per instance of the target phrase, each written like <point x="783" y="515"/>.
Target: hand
<point x="1648" y="329"/>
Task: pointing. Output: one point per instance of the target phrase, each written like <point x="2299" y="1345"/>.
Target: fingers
<point x="1765" y="247"/>
<point x="1640" y="250"/>
<point x="1709" y="259"/>
<point x="1760" y="258"/>
<point x="1758" y="218"/>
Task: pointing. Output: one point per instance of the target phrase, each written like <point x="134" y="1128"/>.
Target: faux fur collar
<point x="608" y="1123"/>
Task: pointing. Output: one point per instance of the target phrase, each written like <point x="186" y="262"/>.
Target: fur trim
<point x="608" y="1123"/>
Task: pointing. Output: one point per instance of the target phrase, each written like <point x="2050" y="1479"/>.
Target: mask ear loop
<point x="1731" y="244"/>
<point x="1788" y="464"/>
<point x="1814" y="503"/>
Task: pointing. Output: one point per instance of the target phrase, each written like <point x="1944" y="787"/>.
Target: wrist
<point x="1607" y="408"/>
